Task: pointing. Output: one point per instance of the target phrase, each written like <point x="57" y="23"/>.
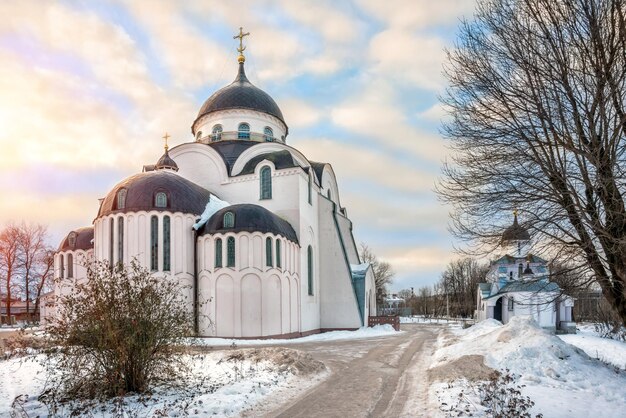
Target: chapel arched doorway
<point x="497" y="310"/>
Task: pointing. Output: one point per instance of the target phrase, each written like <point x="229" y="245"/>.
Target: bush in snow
<point x="608" y="323"/>
<point x="503" y="398"/>
<point x="117" y="332"/>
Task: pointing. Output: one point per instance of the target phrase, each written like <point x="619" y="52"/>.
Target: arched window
<point x="71" y="239"/>
<point x="310" y="191"/>
<point x="120" y="240"/>
<point x="70" y="266"/>
<point x="216" y="133"/>
<point x="121" y="198"/>
<point x="278" y="262"/>
<point x="243" y="132"/>
<point x="329" y="195"/>
<point x="230" y="252"/>
<point x="268" y="134"/>
<point x="266" y="183"/>
<point x="61" y="266"/>
<point x="268" y="252"/>
<point x="218" y="252"/>
<point x="166" y="243"/>
<point x="154" y="243"/>
<point x="198" y="135"/>
<point x="309" y="270"/>
<point x="111" y="240"/>
<point x="160" y="200"/>
<point x="229" y="220"/>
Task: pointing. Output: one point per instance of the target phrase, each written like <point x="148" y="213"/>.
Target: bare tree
<point x="34" y="260"/>
<point x="383" y="273"/>
<point x="9" y="250"/>
<point x="537" y="91"/>
<point x="459" y="282"/>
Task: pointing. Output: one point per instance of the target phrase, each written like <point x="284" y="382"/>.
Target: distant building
<point x="518" y="284"/>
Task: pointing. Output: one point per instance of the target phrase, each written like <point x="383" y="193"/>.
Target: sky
<point x="88" y="89"/>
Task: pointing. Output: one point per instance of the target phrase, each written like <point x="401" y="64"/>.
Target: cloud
<point x="362" y="164"/>
<point x="299" y="113"/>
<point x="417" y="14"/>
<point x="402" y="55"/>
<point x="376" y="113"/>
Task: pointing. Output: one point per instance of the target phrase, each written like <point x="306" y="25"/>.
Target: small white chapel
<point x="518" y="284"/>
<point x="249" y="224"/>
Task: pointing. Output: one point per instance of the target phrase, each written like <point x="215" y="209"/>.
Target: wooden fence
<point x="394" y="321"/>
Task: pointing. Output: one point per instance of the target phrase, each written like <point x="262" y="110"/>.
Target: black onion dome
<point x="166" y="162"/>
<point x="241" y="94"/>
<point x="78" y="239"/>
<point x="515" y="232"/>
<point x="250" y="218"/>
<point x="182" y="195"/>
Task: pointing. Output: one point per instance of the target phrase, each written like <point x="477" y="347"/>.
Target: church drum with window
<point x="254" y="229"/>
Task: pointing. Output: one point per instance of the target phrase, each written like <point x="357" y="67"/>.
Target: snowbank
<point x="365" y="332"/>
<point x="229" y="383"/>
<point x="603" y="349"/>
<point x="560" y="378"/>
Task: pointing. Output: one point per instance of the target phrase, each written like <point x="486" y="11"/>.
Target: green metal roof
<point x="533" y="287"/>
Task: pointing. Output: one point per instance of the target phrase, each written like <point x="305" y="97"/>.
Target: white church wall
<point x="339" y="307"/>
<point x="250" y="299"/>
<point x="230" y="120"/>
<point x="202" y="165"/>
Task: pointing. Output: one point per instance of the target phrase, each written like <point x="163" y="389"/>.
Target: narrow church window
<point x="266" y="183"/>
<point x="71" y="239"/>
<point x="310" y="191"/>
<point x="120" y="240"/>
<point x="218" y="252"/>
<point x="309" y="254"/>
<point x="216" y="133"/>
<point x="111" y="241"/>
<point x="520" y="270"/>
<point x="61" y="266"/>
<point x="160" y="200"/>
<point x="70" y="266"/>
<point x="268" y="252"/>
<point x="166" y="243"/>
<point x="511" y="275"/>
<point x="121" y="198"/>
<point x="154" y="243"/>
<point x="243" y="131"/>
<point x="328" y="195"/>
<point x="229" y="220"/>
<point x="230" y="252"/>
<point x="278" y="262"/>
<point x="268" y="134"/>
<point x="511" y="304"/>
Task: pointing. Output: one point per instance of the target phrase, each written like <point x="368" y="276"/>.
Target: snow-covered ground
<point x="561" y="379"/>
<point x="365" y="332"/>
<point x="227" y="383"/>
<point x="609" y="351"/>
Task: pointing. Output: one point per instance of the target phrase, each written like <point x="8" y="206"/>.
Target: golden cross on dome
<point x="241" y="48"/>
<point x="166" y="137"/>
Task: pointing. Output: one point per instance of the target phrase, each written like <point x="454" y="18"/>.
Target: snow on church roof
<point x="213" y="205"/>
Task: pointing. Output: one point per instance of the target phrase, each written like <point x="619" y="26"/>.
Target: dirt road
<point x="375" y="377"/>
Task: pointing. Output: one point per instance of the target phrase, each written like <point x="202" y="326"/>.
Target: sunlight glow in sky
<point x="87" y="89"/>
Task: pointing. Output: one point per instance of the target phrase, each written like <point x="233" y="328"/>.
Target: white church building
<point x="253" y="228"/>
<point x="518" y="284"/>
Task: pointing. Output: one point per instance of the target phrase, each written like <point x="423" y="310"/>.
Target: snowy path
<point x="372" y="377"/>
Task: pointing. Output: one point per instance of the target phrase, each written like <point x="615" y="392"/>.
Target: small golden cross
<point x="241" y="47"/>
<point x="515" y="213"/>
<point x="166" y="137"/>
